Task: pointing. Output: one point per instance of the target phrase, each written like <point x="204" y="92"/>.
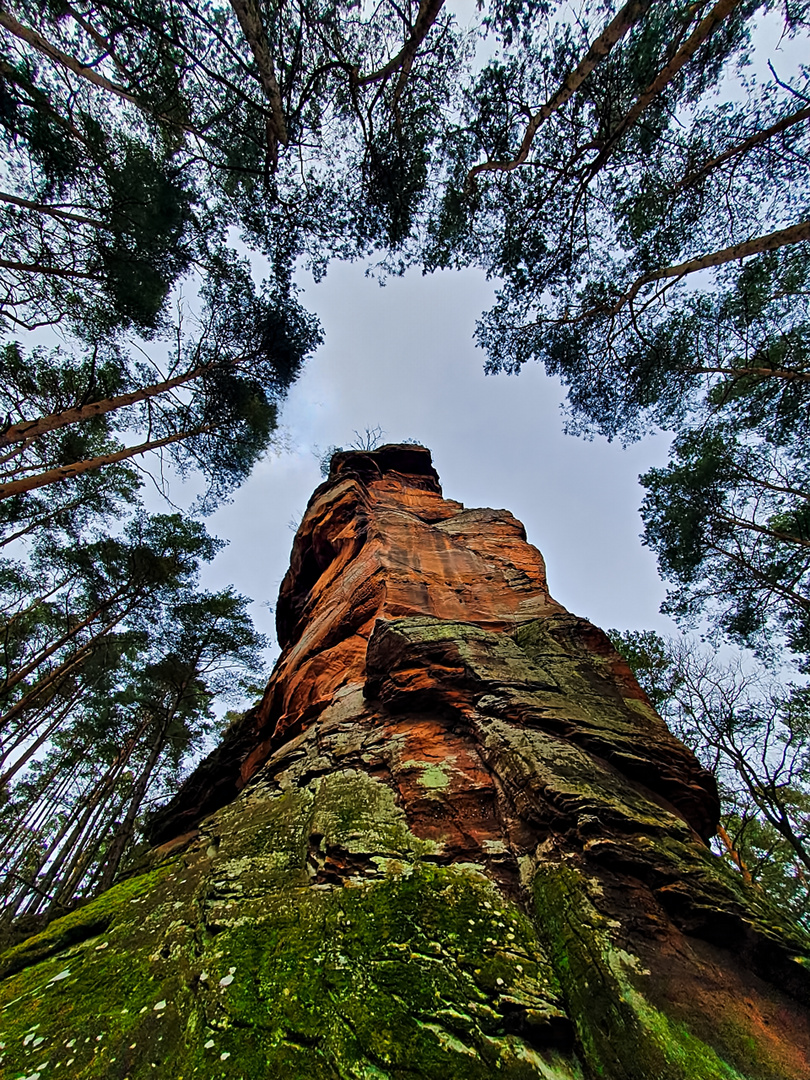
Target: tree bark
<point x="78" y="468"/>
<point x="62" y="670"/>
<point x="32" y="429"/>
<point x="617" y="28"/>
<point x="250" y="20"/>
<point x="125" y="832"/>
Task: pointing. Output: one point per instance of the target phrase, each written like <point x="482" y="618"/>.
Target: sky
<point x="402" y="358"/>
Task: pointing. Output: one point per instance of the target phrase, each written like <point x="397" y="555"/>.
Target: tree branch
<point x="428" y="13"/>
<point x="702" y="32"/>
<point x="743" y="147"/>
<point x="66" y="472"/>
<point x="794" y="234"/>
<point x="52" y="211"/>
<point x="49" y="271"/>
<point x="623" y="22"/>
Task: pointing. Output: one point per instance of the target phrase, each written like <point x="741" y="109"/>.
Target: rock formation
<point x="453" y="841"/>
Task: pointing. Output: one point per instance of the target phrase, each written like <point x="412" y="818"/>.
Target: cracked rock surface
<point x="453" y="840"/>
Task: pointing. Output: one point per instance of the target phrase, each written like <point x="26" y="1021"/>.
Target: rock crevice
<point x="453" y="840"/>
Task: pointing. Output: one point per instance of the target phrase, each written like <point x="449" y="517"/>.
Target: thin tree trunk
<point x="734" y="854"/>
<point x="30" y="429"/>
<point x="84" y="852"/>
<point x="92" y="810"/>
<point x="24" y="900"/>
<point x="32" y="749"/>
<point x="22" y="673"/>
<point x="61" y="671"/>
<point x="124" y="832"/>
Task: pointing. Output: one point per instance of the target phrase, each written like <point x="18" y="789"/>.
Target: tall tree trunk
<point x="32" y="745"/>
<point x="17" y="676"/>
<point x="66" y="850"/>
<point x="125" y="831"/>
<point x="79" y="468"/>
<point x="452" y="841"/>
<point x="62" y="670"/>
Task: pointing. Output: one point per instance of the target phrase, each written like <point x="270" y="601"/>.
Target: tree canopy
<point x="642" y="195"/>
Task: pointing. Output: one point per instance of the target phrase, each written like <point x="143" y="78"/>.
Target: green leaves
<point x="652" y="238"/>
<point x="730" y="521"/>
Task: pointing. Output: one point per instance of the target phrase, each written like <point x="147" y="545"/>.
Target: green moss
<point x="358" y="812"/>
<point x="75" y="999"/>
<point x="427" y="971"/>
<point x="79" y="925"/>
<point x="402" y="976"/>
<point x="622" y="1035"/>
<point x="433" y="777"/>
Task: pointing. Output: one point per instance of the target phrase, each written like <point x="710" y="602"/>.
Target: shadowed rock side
<point x="452" y="841"/>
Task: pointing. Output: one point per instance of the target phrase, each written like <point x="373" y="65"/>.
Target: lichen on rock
<point x="452" y="841"/>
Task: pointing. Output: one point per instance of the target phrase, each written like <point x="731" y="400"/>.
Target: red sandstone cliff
<point x="378" y="542"/>
<point x="452" y="841"/>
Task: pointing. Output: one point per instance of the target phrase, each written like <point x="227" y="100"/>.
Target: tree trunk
<point x="31" y="745"/>
<point x="34" y="429"/>
<point x="453" y="841"/>
<point x="126" y="830"/>
<point x="63" y="669"/>
<point x="79" y="468"/>
<point x="18" y="675"/>
<point x="64" y="849"/>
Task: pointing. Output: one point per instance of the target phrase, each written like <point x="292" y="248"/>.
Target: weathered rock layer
<point x="453" y="840"/>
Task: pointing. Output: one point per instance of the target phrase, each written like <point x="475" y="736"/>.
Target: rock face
<point x="452" y="841"/>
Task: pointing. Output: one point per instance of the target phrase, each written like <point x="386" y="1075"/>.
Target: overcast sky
<point x="402" y="357"/>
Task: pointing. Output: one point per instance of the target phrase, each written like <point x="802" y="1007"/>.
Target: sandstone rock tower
<point x="452" y="842"/>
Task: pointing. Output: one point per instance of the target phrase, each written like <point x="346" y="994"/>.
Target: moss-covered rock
<point x="237" y="960"/>
<point x="453" y="842"/>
